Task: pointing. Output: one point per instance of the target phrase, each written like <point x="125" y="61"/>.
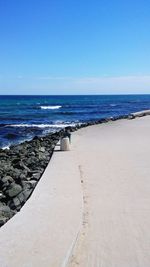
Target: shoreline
<point x="76" y="126"/>
<point x="91" y="206"/>
<point x="22" y="166"/>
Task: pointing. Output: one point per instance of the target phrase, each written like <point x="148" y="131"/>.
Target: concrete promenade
<point x="43" y="232"/>
<point x="92" y="206"/>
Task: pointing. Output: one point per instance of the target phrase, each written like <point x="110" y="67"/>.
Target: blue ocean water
<point x="23" y="117"/>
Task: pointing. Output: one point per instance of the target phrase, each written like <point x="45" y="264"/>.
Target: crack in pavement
<point x="80" y="246"/>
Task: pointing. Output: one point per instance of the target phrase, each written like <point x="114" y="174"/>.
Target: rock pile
<point x="21" y="167"/>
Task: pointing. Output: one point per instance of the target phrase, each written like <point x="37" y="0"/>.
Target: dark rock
<point x="2" y="196"/>
<point x="13" y="190"/>
<point x="29" y="184"/>
<point x="22" y="176"/>
<point x="3" y="155"/>
<point x="21" y="197"/>
<point x="7" y="180"/>
<point x="42" y="149"/>
<point x="16" y="173"/>
<point x="131" y="117"/>
<point x="36" y="176"/>
<point x="6" y="212"/>
<point x="16" y="160"/>
<point x="3" y="220"/>
<point x="27" y="192"/>
<point x="21" y="165"/>
<point x="16" y="204"/>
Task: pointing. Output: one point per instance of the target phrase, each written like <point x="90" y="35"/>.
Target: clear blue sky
<point x="74" y="47"/>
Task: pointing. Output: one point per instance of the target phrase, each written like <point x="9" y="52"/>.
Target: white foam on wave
<point x="5" y="147"/>
<point x="50" y="107"/>
<point x="113" y="105"/>
<point x="43" y="125"/>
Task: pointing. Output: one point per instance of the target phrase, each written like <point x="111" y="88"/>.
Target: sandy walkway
<point x="109" y="169"/>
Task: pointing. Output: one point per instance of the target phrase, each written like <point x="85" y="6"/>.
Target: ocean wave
<point x="113" y="105"/>
<point x="3" y="124"/>
<point x="50" y="107"/>
<point x="43" y="125"/>
<point x="6" y="147"/>
<point x="11" y="136"/>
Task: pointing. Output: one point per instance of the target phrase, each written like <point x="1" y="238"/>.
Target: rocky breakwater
<point x="21" y="167"/>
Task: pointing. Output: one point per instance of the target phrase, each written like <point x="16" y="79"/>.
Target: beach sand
<point x="92" y="206"/>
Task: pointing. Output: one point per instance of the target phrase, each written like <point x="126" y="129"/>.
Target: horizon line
<point x="74" y="94"/>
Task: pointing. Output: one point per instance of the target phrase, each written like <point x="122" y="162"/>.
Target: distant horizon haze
<point x="74" y="94"/>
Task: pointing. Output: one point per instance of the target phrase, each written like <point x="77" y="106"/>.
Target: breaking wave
<point x="50" y="107"/>
<point x="43" y="125"/>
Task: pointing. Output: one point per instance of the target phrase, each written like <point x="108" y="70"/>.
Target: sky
<point x="74" y="47"/>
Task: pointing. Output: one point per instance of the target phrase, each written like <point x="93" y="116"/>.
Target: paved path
<point x="115" y="169"/>
<point x="43" y="232"/>
<point x="92" y="206"/>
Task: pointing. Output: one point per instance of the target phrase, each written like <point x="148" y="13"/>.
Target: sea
<point x="23" y="117"/>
